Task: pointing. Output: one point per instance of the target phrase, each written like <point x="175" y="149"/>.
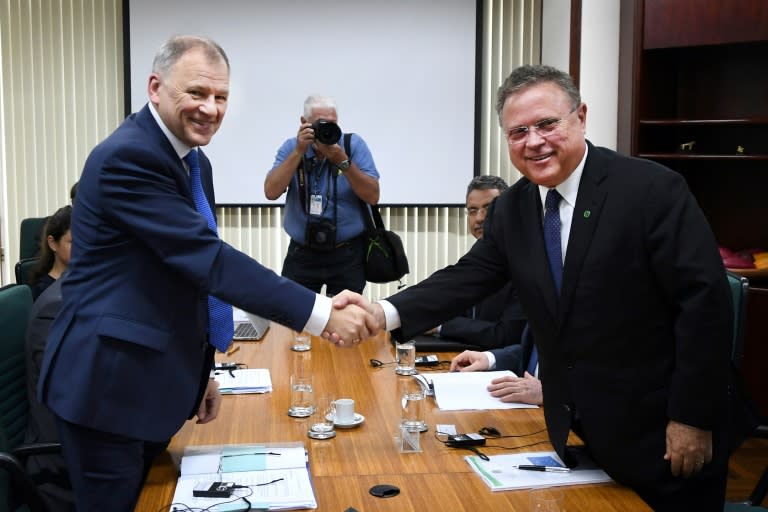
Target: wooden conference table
<point x="344" y="468"/>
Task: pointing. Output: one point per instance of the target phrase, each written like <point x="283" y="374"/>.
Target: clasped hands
<point x="353" y="319"/>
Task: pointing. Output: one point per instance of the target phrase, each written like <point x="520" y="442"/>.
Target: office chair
<point x="23" y="270"/>
<point x="740" y="292"/>
<point x="17" y="490"/>
<point x="29" y="236"/>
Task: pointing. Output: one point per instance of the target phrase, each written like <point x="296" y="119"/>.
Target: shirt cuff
<point x="391" y="316"/>
<point x="491" y="360"/>
<point x="321" y="313"/>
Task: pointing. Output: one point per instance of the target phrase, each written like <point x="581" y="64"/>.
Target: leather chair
<point x="17" y="490"/>
<point x="23" y="270"/>
<point x="29" y="236"/>
<point x="740" y="291"/>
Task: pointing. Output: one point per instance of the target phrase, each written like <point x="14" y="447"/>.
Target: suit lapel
<point x="586" y="215"/>
<point x="533" y="233"/>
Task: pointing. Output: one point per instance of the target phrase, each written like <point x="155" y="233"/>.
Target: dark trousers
<point x="339" y="269"/>
<point x="107" y="470"/>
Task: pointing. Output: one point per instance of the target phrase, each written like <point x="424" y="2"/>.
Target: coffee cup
<point x="345" y="410"/>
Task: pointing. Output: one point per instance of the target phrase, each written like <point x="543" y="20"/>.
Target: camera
<point x="320" y="235"/>
<point x="326" y="132"/>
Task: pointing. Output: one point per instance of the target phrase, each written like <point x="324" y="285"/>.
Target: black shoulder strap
<point x="370" y="212"/>
<point x="348" y="145"/>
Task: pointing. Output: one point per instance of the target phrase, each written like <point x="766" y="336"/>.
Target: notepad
<point x="500" y="472"/>
<point x="276" y="476"/>
<point x="250" y="380"/>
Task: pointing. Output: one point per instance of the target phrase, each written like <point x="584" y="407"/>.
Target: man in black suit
<point x="497" y="320"/>
<point x="632" y="324"/>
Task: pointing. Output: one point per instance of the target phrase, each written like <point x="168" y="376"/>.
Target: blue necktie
<point x="552" y="227"/>
<point x="221" y="328"/>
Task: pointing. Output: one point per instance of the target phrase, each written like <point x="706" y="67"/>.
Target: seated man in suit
<point x="48" y="471"/>
<point x="498" y="320"/>
<point x="525" y="389"/>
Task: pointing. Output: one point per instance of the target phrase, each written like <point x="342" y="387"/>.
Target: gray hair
<point x="486" y="182"/>
<point x="176" y="46"/>
<point x="526" y="76"/>
<point x="316" y="101"/>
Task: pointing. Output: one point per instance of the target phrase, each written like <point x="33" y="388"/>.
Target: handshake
<point x="353" y="319"/>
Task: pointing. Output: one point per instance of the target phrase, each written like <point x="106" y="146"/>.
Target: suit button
<point x="567" y="407"/>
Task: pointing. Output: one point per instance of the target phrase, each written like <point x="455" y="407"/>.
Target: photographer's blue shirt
<point x="349" y="218"/>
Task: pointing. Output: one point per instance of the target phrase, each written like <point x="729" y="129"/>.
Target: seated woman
<point x="55" y="245"/>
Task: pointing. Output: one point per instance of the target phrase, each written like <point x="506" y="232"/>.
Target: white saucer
<point x="358" y="420"/>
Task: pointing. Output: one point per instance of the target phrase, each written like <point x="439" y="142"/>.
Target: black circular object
<point x="384" y="490"/>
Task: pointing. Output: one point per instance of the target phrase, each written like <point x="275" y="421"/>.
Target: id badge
<point x="316" y="204"/>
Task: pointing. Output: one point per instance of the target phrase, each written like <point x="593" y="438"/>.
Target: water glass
<point x="546" y="499"/>
<point x="321" y="425"/>
<point x="406" y="358"/>
<point x="412" y="417"/>
<point x="301" y="397"/>
<point x="302" y="341"/>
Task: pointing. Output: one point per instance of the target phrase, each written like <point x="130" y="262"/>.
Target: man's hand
<point x="351" y="321"/>
<point x="211" y="403"/>
<point x="469" y="361"/>
<point x="345" y="300"/>
<point x="526" y="390"/>
<point x="333" y="152"/>
<point x="304" y="137"/>
<point x="688" y="448"/>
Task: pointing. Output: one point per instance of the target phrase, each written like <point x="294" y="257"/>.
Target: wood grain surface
<point x="344" y="468"/>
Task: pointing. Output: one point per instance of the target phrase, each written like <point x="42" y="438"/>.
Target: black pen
<point x="549" y="469"/>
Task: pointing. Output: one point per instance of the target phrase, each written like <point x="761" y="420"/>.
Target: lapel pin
<point x="587" y="213"/>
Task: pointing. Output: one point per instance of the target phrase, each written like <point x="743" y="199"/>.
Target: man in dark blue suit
<point x="625" y="291"/>
<point x="128" y="357"/>
<point x="497" y="320"/>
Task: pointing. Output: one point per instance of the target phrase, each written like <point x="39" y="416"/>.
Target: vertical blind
<point x="61" y="93"/>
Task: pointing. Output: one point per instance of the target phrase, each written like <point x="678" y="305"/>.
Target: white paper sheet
<point x="456" y="391"/>
<point x="251" y="380"/>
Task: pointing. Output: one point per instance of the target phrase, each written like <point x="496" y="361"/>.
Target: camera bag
<point x="384" y="259"/>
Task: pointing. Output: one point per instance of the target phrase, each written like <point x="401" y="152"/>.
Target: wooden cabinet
<point x="693" y="89"/>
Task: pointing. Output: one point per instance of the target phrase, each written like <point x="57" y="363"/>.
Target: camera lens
<point x="326" y="132"/>
<point x="320" y="237"/>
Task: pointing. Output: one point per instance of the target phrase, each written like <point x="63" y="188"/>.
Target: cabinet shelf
<point x="684" y="156"/>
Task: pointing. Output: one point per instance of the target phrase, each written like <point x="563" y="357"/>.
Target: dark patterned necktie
<point x="221" y="328"/>
<point x="552" y="227"/>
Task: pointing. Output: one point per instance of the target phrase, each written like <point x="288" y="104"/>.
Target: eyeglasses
<point x="472" y="212"/>
<point x="543" y="128"/>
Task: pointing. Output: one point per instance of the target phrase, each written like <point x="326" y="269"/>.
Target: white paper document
<point x="274" y="477"/>
<point x="501" y="472"/>
<point x="250" y="380"/>
<point x="456" y="391"/>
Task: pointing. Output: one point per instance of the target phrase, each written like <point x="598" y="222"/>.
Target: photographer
<point x="323" y="215"/>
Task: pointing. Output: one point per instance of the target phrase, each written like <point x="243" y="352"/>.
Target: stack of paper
<point x="501" y="472"/>
<point x="254" y="380"/>
<point x="457" y="391"/>
<point x="274" y="477"/>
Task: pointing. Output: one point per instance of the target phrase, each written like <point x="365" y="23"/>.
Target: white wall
<point x="555" y="33"/>
<point x="599" y="76"/>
